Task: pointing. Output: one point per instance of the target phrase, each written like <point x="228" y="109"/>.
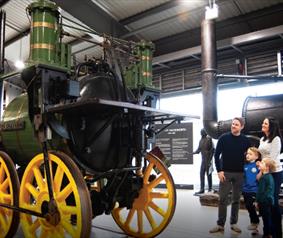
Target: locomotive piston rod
<point x="20" y="209"/>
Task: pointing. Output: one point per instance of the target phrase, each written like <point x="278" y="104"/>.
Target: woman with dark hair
<point x="270" y="146"/>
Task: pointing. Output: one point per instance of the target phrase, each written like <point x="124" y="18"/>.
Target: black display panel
<point x="176" y="142"/>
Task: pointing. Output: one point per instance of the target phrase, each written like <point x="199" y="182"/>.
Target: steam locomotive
<point x="75" y="144"/>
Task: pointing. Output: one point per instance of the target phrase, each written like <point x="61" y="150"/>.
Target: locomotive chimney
<point x="209" y="81"/>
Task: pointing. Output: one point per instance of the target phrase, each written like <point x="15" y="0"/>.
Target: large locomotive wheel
<point x="70" y="194"/>
<point x="153" y="209"/>
<point x="9" y="194"/>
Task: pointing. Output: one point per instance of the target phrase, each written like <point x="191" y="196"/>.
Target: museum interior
<point x="141" y="118"/>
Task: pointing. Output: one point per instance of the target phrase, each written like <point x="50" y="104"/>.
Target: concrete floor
<point x="191" y="220"/>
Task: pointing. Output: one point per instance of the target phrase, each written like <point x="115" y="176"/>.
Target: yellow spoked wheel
<point x="73" y="213"/>
<point x="153" y="209"/>
<point x="9" y="194"/>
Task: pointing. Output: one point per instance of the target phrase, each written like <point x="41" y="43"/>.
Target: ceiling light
<point x="211" y="12"/>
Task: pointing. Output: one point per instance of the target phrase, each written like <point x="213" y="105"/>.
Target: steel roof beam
<point x="164" y="66"/>
<point x="17" y="37"/>
<point x="237" y="49"/>
<point x="179" y="15"/>
<point x="150" y="12"/>
<point x="265" y="18"/>
<point x="222" y="44"/>
<point x="237" y="5"/>
<point x="93" y="16"/>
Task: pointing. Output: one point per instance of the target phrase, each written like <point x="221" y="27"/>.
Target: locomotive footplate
<point x="97" y="105"/>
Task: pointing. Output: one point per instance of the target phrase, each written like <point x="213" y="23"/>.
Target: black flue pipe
<point x="255" y="109"/>
<point x="212" y="126"/>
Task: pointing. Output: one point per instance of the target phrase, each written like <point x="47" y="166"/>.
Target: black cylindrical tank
<point x="255" y="109"/>
<point x="96" y="137"/>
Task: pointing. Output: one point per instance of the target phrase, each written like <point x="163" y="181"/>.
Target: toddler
<point x="265" y="194"/>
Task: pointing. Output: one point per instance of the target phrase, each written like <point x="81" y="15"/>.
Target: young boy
<point x="265" y="194"/>
<point x="251" y="177"/>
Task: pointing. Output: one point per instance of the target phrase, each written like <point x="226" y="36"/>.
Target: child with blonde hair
<point x="251" y="177"/>
<point x="265" y="194"/>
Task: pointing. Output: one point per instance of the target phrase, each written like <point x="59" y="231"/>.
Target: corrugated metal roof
<point x="227" y="10"/>
<point x="185" y="17"/>
<point x="251" y="5"/>
<point x="171" y="21"/>
<point x="16" y="17"/>
<point x="18" y="20"/>
<point x="121" y="9"/>
<point x="179" y="13"/>
<point x="71" y="22"/>
<point x="181" y="18"/>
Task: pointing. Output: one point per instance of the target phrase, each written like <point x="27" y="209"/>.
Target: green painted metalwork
<point x="45" y="44"/>
<point x="64" y="55"/>
<point x="131" y="75"/>
<point x="145" y="54"/>
<point x="139" y="73"/>
<point x="17" y="131"/>
<point x="44" y="31"/>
